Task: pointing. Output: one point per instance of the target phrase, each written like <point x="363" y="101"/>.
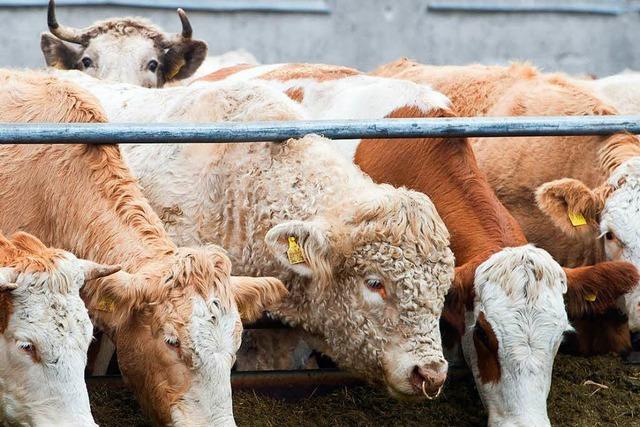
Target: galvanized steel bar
<point x="265" y="6"/>
<point x="614" y="8"/>
<point x="335" y="129"/>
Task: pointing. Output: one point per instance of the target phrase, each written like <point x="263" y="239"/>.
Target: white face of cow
<point x="514" y="332"/>
<point x="373" y="288"/>
<point x="620" y="227"/>
<point x="133" y="59"/>
<point x="612" y="213"/>
<point x="124" y="50"/>
<point x="44" y="345"/>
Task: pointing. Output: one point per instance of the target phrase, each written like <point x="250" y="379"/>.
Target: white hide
<point x="215" y="63"/>
<point x="520" y="291"/>
<point x="309" y="190"/>
<point x="49" y="314"/>
<point x="621" y="216"/>
<point x="355" y="97"/>
<point x="622" y="91"/>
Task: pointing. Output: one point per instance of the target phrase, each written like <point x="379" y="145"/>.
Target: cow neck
<point x="100" y="212"/>
<point x="445" y="170"/>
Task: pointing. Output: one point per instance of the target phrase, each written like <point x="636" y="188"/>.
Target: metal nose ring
<point x="424" y="391"/>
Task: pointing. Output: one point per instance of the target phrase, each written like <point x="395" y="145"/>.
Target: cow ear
<point x="595" y="289"/>
<point x="571" y="205"/>
<point x="302" y="246"/>
<point x="59" y="54"/>
<point x="255" y="295"/>
<point x="183" y="58"/>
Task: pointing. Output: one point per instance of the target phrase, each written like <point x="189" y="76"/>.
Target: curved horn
<point x="68" y="34"/>
<point x="187" y="31"/>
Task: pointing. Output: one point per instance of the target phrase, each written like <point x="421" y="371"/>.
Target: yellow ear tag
<point x="176" y="69"/>
<point x="106" y="304"/>
<point x="294" y="253"/>
<point x="576" y="219"/>
<point x="590" y="297"/>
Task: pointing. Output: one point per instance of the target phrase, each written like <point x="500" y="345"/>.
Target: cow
<point x="375" y="258"/>
<point x="621" y="91"/>
<point x="45" y="332"/>
<point x="130" y="50"/>
<point x="576" y="197"/>
<point x="509" y="294"/>
<point x="174" y="313"/>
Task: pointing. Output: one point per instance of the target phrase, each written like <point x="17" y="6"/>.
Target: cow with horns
<point x="128" y="50"/>
<point x="44" y="333"/>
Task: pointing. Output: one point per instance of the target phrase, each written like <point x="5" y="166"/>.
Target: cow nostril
<point x="416" y="378"/>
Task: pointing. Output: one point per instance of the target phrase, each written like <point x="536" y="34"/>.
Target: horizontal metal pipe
<point x="578" y="8"/>
<point x="281" y="6"/>
<point x="335" y="129"/>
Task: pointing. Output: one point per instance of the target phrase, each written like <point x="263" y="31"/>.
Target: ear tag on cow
<point x="294" y="253"/>
<point x="106" y="304"/>
<point x="590" y="297"/>
<point x="576" y="219"/>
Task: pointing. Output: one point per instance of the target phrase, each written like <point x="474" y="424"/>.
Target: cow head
<point x="125" y="50"/>
<point x="177" y="327"/>
<point x="371" y="285"/>
<point x="513" y="333"/>
<point x="45" y="333"/>
<point x="611" y="215"/>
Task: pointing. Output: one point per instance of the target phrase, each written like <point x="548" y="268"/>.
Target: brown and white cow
<point x="377" y="259"/>
<point x="517" y="318"/>
<point x="45" y="332"/>
<point x="595" y="177"/>
<point x="173" y="312"/>
<point x="127" y="50"/>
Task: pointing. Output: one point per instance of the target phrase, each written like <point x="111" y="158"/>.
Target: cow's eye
<point x="87" y="62"/>
<point x="609" y="235"/>
<point x="376" y="285"/>
<point x="152" y="65"/>
<point x="172" y="342"/>
<point x="27" y="347"/>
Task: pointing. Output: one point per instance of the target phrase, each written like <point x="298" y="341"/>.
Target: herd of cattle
<point x="384" y="255"/>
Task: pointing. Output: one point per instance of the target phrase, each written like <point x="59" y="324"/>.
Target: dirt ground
<point x="571" y="403"/>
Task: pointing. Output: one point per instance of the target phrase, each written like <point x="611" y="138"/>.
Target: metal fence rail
<point x="334" y="129"/>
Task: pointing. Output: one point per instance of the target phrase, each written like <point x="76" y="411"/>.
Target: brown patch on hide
<point x="486" y="344"/>
<point x="603" y="334"/>
<point x="316" y="72"/>
<point x="223" y="73"/>
<point x="295" y="93"/>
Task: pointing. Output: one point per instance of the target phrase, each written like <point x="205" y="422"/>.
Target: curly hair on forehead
<point x="126" y="27"/>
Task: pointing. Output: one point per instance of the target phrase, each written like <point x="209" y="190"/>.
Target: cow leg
<point x="105" y="353"/>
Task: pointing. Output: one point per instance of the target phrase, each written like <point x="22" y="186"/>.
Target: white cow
<point x="45" y="333"/>
<point x="367" y="265"/>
